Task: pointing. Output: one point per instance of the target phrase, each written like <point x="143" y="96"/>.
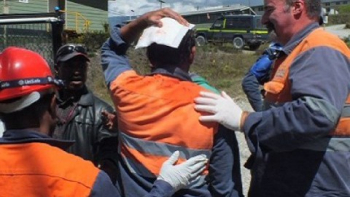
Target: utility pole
<point x="130" y="14"/>
<point x="161" y="2"/>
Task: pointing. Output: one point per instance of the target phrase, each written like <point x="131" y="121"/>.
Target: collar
<point x="27" y="136"/>
<point x="297" y="38"/>
<point x="85" y="99"/>
<point x="172" y="71"/>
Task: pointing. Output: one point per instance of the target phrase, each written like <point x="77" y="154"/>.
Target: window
<point x="238" y="23"/>
<point x="218" y="24"/>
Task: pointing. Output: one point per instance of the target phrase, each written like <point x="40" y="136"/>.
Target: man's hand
<point x="110" y="120"/>
<point x="223" y="109"/>
<point x="179" y="176"/>
<point x="153" y="18"/>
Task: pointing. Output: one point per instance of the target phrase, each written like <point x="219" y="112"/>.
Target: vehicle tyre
<point x="238" y="43"/>
<point x="201" y="41"/>
<point x="254" y="47"/>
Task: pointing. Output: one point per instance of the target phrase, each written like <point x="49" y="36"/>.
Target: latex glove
<point x="223" y="109"/>
<point x="179" y="176"/>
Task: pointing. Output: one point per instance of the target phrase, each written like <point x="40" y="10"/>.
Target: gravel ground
<point x="338" y="30"/>
<point x="244" y="151"/>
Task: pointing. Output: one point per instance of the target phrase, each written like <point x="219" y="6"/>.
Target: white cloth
<point x="170" y="34"/>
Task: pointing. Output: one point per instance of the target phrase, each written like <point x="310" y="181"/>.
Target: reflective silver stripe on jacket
<point x="334" y="144"/>
<point x="140" y="170"/>
<point x="346" y="111"/>
<point x="158" y="149"/>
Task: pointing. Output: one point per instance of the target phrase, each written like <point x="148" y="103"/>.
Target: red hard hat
<point x="22" y="72"/>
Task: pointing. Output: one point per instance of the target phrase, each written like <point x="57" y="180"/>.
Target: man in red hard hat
<point x="34" y="164"/>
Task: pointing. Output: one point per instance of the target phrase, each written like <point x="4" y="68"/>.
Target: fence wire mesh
<point x="36" y="37"/>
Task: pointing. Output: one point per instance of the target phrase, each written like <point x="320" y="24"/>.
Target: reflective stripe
<point x="334" y="144"/>
<point x="142" y="171"/>
<point x="160" y="149"/>
<point x="268" y="105"/>
<point x="136" y="168"/>
<point x="346" y="111"/>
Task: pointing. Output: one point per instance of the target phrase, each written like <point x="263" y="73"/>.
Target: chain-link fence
<point x="39" y="32"/>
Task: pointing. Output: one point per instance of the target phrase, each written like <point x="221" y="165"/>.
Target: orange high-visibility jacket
<point x="156" y="117"/>
<point x="278" y="89"/>
<point x="38" y="169"/>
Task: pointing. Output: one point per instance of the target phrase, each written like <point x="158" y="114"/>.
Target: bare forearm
<point x="130" y="32"/>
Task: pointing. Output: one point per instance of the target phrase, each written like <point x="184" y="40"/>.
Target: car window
<point x="238" y="23"/>
<point x="258" y="24"/>
<point x="218" y="24"/>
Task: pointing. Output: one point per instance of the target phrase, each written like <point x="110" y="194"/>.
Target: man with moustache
<point x="301" y="138"/>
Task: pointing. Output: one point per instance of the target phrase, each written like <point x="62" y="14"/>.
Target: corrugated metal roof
<point x="217" y="9"/>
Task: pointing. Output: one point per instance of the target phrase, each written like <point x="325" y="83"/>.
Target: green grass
<point x="222" y="66"/>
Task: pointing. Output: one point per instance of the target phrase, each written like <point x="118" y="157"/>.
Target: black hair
<point x="28" y="117"/>
<point x="161" y="55"/>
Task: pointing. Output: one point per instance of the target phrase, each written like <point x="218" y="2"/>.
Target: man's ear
<point x="52" y="107"/>
<point x="192" y="54"/>
<point x="298" y="7"/>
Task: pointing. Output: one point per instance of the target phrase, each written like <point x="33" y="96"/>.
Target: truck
<point x="240" y="30"/>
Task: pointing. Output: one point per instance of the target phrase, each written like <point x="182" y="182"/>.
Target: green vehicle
<point x="240" y="30"/>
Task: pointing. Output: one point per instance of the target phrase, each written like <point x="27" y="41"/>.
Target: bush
<point x="344" y="9"/>
<point x="347" y="41"/>
<point x="92" y="40"/>
<point x="347" y="25"/>
<point x="339" y="19"/>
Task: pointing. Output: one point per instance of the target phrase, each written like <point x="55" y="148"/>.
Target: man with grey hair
<point x="301" y="139"/>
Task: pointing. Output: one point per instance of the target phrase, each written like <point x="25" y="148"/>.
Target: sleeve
<point x="160" y="188"/>
<point x="103" y="187"/>
<point x="251" y="88"/>
<point x="114" y="60"/>
<point x="107" y="142"/>
<point x="319" y="88"/>
<point x="224" y="166"/>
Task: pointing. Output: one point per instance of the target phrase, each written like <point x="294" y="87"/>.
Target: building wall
<point x="16" y="7"/>
<point x="330" y="6"/>
<point x="78" y="13"/>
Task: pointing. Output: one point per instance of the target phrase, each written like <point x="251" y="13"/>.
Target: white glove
<point x="179" y="176"/>
<point x="223" y="109"/>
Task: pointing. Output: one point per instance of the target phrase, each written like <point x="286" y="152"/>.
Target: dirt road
<point x="338" y="30"/>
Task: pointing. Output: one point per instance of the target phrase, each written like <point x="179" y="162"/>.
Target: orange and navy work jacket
<point x="308" y="94"/>
<point x="278" y="90"/>
<point x="31" y="165"/>
<point x="156" y="117"/>
<point x="304" y="127"/>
